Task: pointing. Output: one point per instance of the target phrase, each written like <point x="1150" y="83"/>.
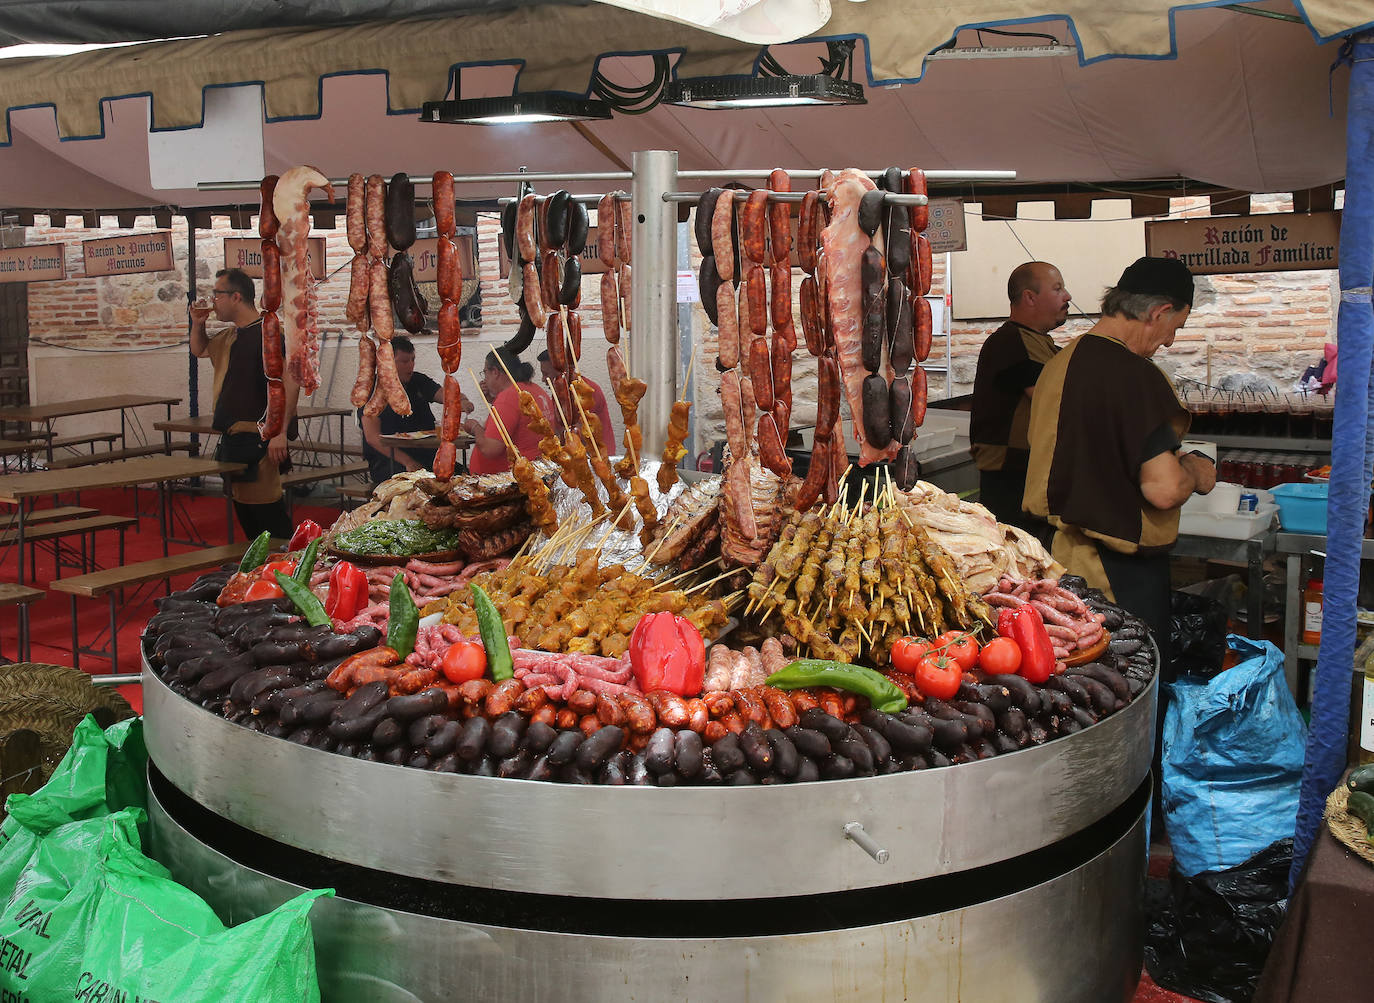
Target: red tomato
<point x="263" y="588"/>
<point x="907" y="653"/>
<point x="959" y="647"/>
<point x="938" y="676"/>
<point x="1000" y="657"/>
<point x="463" y="661"/>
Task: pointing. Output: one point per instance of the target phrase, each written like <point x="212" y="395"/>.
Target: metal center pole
<point x="653" y="284"/>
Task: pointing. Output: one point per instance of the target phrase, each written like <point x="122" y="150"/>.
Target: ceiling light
<point x="517" y="109"/>
<point x="763" y="91"/>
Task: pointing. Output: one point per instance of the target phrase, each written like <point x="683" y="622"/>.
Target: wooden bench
<point x="311" y="446"/>
<point x="55" y="514"/>
<point x="28" y="449"/>
<point x="311" y="475"/>
<point x="151" y="449"/>
<point x="112" y="581"/>
<point x="12" y="594"/>
<point x="67" y="441"/>
<point x="54" y="532"/>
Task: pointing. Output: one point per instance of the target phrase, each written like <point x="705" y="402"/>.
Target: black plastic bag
<point x="1209" y="935"/>
<point x="1197" y="635"/>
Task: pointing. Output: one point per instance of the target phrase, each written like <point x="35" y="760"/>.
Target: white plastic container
<point x="1196" y="520"/>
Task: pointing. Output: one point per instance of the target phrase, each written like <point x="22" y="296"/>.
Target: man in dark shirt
<point x="240" y="394"/>
<point x="385" y="461"/>
<point x="1008" y="366"/>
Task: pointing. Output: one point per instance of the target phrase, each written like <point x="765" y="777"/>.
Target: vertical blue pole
<point x="1352" y="453"/>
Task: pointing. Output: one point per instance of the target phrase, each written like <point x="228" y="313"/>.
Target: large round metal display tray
<point x="644" y="843"/>
<point x="1061" y="925"/>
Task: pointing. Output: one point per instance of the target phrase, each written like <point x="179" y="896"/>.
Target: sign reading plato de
<point x="246" y="253"/>
<point x="1273" y="242"/>
<point x="132" y="252"/>
<point x="38" y="263"/>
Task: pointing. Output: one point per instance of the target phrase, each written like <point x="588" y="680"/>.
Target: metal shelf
<point x="1268" y="442"/>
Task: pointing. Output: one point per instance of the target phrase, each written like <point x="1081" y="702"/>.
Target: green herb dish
<point x="395" y="538"/>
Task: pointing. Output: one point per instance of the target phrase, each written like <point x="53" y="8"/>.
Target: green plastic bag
<point x="90" y="917"/>
<point x="102" y="772"/>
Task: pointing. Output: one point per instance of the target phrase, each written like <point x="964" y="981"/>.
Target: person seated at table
<point x="488" y="447"/>
<point x="240" y="395"/>
<point x="598" y="406"/>
<point x="385" y="461"/>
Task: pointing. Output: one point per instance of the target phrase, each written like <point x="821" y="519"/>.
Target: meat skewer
<point x="583" y="479"/>
<point x="673" y="450"/>
<point x="531" y="484"/>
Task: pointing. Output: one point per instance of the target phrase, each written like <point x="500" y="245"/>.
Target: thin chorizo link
<point x="444" y="209"/>
<point x="925" y="333"/>
<point x="390" y="380"/>
<point x="274" y="417"/>
<point x="811" y="316"/>
<point x="379" y="301"/>
<point x="780" y="219"/>
<point x="450" y="271"/>
<point x="554" y="342"/>
<point x="721" y="243"/>
<point x="757" y="291"/>
<point x="375" y="211"/>
<point x="780" y="297"/>
<point x="359" y="284"/>
<point x="625" y="230"/>
<point x="807" y="232"/>
<point x="771" y="452"/>
<point x="272" y="346"/>
<point x="450" y="346"/>
<point x="574" y="325"/>
<point x="524" y="229"/>
<point x="727" y="342"/>
<point x="782" y="371"/>
<point x="622" y="279"/>
<point x="268" y="224"/>
<point x="924" y="257"/>
<point x="610" y="307"/>
<point x="753" y="227"/>
<point x="550" y="275"/>
<point x="916" y="185"/>
<point x="367" y="371"/>
<point x="354" y="213"/>
<point x="534" y="300"/>
<point x="271" y="275"/>
<point x="761" y="373"/>
<point x="605" y="231"/>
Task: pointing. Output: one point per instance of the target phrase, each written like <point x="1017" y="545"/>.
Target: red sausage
<point x="782" y="370"/>
<point x="753" y="227"/>
<point x="272" y="346"/>
<point x="770" y="447"/>
<point x="354" y="213"/>
<point x="761" y="373"/>
<point x="780" y="298"/>
<point x="919" y="391"/>
<point x="575" y="334"/>
<point x="450" y="269"/>
<point x="916" y="185"/>
<point x="367" y="370"/>
<point x="610" y="307"/>
<point x="450" y="345"/>
<point x="721" y="243"/>
<point x="808" y="234"/>
<point x="379" y="300"/>
<point x="374" y="209"/>
<point x="923" y="256"/>
<point x="811" y="317"/>
<point x="534" y="300"/>
<point x="524" y="230"/>
<point x="267" y="216"/>
<point x="780" y="220"/>
<point x="924" y="329"/>
<point x="727" y="341"/>
<point x="443" y="204"/>
<point x="271" y="275"/>
<point x="359" y="282"/>
<point x="758" y="299"/>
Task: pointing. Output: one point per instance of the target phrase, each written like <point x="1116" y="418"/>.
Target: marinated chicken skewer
<point x="673" y="450"/>
<point x="584" y="480"/>
<point x="591" y="432"/>
<point x="531" y="484"/>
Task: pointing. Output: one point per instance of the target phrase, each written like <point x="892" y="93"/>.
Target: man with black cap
<point x="1105" y="429"/>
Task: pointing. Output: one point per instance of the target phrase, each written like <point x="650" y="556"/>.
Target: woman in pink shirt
<point x="488" y="449"/>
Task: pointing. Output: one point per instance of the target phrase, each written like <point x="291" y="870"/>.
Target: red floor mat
<point x="50" y="618"/>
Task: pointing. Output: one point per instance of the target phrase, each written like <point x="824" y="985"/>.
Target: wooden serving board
<point x="1086" y="655"/>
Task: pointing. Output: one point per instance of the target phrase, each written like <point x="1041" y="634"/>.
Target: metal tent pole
<point x="653" y="284"/>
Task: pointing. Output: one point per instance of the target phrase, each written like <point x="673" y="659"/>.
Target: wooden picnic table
<point x="201" y="424"/>
<point x="46" y="414"/>
<point x="22" y="489"/>
<point x="431" y="441"/>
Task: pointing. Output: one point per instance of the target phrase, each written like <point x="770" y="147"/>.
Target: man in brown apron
<point x="240" y="395"/>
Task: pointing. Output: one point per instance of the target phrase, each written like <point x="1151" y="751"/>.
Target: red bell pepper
<point x="347" y="591"/>
<point x="667" y="653"/>
<point x="306" y="531"/>
<point x="1037" y="651"/>
<point x="1005" y="618"/>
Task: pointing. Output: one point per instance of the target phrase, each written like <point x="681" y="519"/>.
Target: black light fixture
<point x="516" y="109"/>
<point x="774" y="87"/>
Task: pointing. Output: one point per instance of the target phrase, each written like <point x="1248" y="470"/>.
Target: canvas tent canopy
<point x="1213" y="94"/>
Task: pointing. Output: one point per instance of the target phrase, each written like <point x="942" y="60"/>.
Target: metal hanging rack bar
<point x="724" y="175"/>
<point x="741" y="195"/>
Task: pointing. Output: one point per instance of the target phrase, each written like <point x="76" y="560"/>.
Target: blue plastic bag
<point x="1233" y="755"/>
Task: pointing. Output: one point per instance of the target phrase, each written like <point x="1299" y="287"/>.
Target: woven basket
<point x="51" y="700"/>
<point x="1345" y="826"/>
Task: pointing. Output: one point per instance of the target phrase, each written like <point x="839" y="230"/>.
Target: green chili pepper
<point x="304" y="600"/>
<point x="256" y="553"/>
<point x="493" y="631"/>
<point x="882" y="693"/>
<point x="403" y="619"/>
<point x="307" y="562"/>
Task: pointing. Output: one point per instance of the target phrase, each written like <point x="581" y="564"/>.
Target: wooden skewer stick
<point x="687" y="378"/>
<point x="711" y="581"/>
<point x="496" y="416"/>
